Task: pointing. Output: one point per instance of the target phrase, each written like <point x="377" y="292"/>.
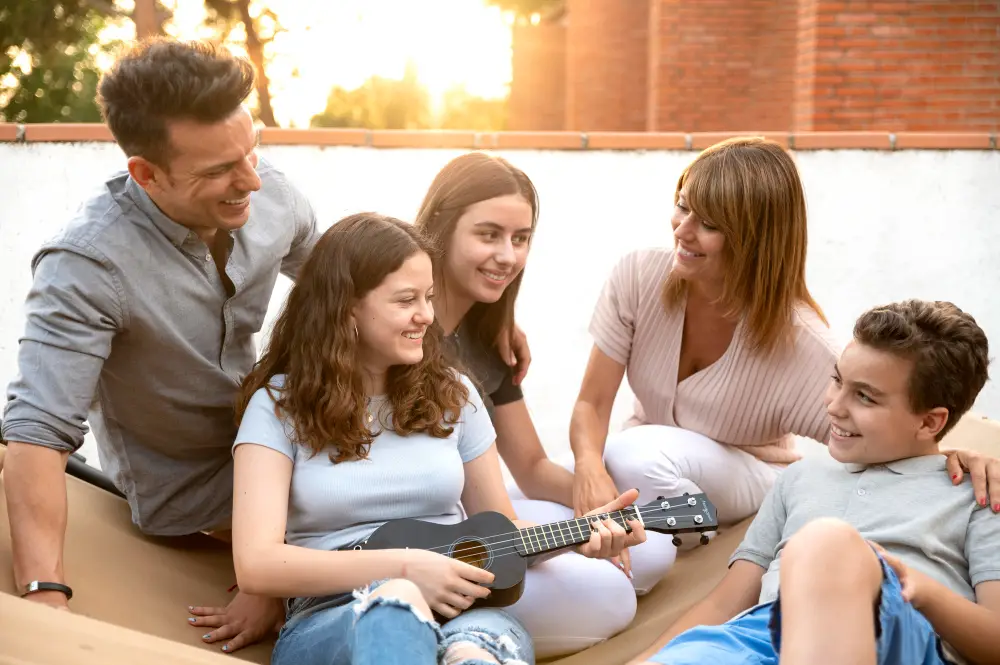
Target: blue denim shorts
<point x="903" y="635"/>
<point x="324" y="635"/>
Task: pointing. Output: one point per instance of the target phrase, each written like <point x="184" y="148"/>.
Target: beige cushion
<point x="128" y="582"/>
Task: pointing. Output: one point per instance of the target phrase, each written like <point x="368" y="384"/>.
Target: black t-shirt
<point x="489" y="372"/>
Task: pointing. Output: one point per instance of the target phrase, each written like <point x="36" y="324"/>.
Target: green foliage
<point x="380" y="103"/>
<point x="465" y="111"/>
<point x="60" y="41"/>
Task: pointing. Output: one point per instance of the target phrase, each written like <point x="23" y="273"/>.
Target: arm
<point x="522" y="451"/>
<point x="737" y="591"/>
<point x="588" y="429"/>
<point x="971" y="628"/>
<point x="73" y="313"/>
<point x="264" y="564"/>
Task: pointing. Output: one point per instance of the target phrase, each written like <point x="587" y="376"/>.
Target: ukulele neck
<point x="544" y="538"/>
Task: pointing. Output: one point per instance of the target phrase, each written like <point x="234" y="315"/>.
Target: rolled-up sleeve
<point x="73" y="311"/>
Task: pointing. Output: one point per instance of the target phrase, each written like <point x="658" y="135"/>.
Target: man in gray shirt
<point x="141" y="316"/>
<point x="878" y="556"/>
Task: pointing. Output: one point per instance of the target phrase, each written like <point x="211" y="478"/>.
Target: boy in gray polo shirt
<point x="882" y="559"/>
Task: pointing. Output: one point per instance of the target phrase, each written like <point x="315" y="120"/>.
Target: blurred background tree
<point x="255" y="26"/>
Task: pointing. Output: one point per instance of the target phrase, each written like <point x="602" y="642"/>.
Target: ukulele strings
<point x="509" y="550"/>
<point x="516" y="536"/>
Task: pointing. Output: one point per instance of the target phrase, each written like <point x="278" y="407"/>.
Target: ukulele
<point x="489" y="540"/>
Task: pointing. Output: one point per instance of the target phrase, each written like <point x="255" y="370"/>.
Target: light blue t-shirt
<point x="331" y="506"/>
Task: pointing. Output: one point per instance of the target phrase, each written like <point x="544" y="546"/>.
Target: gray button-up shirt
<point x="131" y="329"/>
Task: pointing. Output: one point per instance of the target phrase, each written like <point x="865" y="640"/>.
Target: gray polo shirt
<point x="909" y="507"/>
<point x="131" y="329"/>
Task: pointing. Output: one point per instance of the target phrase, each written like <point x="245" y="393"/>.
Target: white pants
<point x="668" y="461"/>
<point x="570" y="602"/>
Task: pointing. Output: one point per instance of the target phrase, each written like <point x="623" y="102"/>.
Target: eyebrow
<point x="229" y="165"/>
<point x="497" y="227"/>
<point x="860" y="384"/>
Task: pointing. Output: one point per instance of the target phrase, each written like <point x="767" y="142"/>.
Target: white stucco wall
<point x="883" y="226"/>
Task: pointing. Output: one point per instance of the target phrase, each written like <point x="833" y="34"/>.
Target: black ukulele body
<point x="468" y="541"/>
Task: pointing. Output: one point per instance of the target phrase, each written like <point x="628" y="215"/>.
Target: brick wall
<point x="918" y="65"/>
<point x="606" y="64"/>
<point x="759" y="65"/>
<point x="538" y="89"/>
<point x="724" y="64"/>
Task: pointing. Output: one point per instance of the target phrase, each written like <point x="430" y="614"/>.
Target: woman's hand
<point x="448" y="585"/>
<point x="984" y="472"/>
<point x="608" y="538"/>
<point x="592" y="487"/>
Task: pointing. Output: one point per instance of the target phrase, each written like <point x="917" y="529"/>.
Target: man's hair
<point x="948" y="349"/>
<point x="160" y="80"/>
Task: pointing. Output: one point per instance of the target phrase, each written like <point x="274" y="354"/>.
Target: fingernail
<point x="191" y="619"/>
<point x="982" y="502"/>
<point x="206" y="636"/>
<point x="225" y="648"/>
<point x="955" y="477"/>
<point x="190" y="608"/>
<point x="996" y="507"/>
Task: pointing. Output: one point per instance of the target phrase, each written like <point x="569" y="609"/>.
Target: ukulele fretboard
<point x="568" y="533"/>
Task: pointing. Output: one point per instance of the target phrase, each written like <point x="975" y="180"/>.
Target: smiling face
<point x="868" y="404"/>
<point x="210" y="175"/>
<point x="698" y="244"/>
<point x="391" y="318"/>
<point x="488" y="248"/>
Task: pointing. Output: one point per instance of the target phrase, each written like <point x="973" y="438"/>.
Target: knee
<point x="826" y="545"/>
<point x="486" y="635"/>
<point x="406" y="592"/>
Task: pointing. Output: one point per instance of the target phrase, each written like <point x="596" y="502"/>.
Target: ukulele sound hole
<point x="472" y="552"/>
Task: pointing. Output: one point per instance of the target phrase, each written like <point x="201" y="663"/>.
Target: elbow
<point x="251" y="573"/>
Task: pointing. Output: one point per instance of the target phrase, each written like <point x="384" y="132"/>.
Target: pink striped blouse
<point x="746" y="399"/>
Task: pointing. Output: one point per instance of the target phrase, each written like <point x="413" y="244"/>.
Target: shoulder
<point x="97" y="226"/>
<point x="649" y="264"/>
<point x="813" y="339"/>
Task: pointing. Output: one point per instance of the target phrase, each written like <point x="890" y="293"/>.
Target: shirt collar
<point x="906" y="466"/>
<point x="175" y="233"/>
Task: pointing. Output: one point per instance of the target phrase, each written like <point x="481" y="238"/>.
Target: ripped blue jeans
<point x="357" y="629"/>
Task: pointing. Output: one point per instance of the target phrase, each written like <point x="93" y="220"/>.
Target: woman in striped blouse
<point x="725" y="349"/>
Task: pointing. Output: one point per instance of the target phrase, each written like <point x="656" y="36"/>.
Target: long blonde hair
<point x="750" y="190"/>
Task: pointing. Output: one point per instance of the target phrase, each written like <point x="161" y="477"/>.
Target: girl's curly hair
<point x="314" y="345"/>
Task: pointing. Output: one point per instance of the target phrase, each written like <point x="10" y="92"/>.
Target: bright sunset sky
<point x="342" y="42"/>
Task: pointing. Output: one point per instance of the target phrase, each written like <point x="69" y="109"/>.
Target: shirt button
<point x="208" y="257"/>
<point x="861" y="492"/>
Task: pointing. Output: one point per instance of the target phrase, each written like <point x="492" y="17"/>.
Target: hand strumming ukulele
<point x="490" y="541"/>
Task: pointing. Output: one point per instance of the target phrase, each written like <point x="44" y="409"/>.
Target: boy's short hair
<point x="949" y="351"/>
<point x="160" y="80"/>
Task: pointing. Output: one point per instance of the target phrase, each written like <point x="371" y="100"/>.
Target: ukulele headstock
<point x="688" y="513"/>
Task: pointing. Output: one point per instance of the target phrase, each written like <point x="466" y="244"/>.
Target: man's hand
<point x="247" y="619"/>
<point x="513" y="348"/>
<point x="984" y="472"/>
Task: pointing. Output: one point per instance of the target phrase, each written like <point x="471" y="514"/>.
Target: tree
<point x="48" y="58"/>
<point x="225" y="16"/>
<point x="380" y="103"/>
<point x="465" y="111"/>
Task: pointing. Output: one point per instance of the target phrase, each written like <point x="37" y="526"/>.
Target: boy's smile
<point x="868" y="402"/>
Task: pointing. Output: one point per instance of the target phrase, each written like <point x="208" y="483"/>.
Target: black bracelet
<point x="34" y="587"/>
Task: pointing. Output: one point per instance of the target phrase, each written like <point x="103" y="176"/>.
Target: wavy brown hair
<point x="750" y="190"/>
<point x="315" y="346"/>
<point x="465" y="180"/>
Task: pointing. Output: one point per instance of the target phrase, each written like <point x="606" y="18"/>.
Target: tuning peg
<point x="676" y="541"/>
<point x="705" y="540"/>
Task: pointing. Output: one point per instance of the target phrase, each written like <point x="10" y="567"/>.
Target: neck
<point x="374" y="381"/>
<point x="704" y="292"/>
<point x="450" y="310"/>
<point x="534" y="540"/>
<point x="206" y="234"/>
